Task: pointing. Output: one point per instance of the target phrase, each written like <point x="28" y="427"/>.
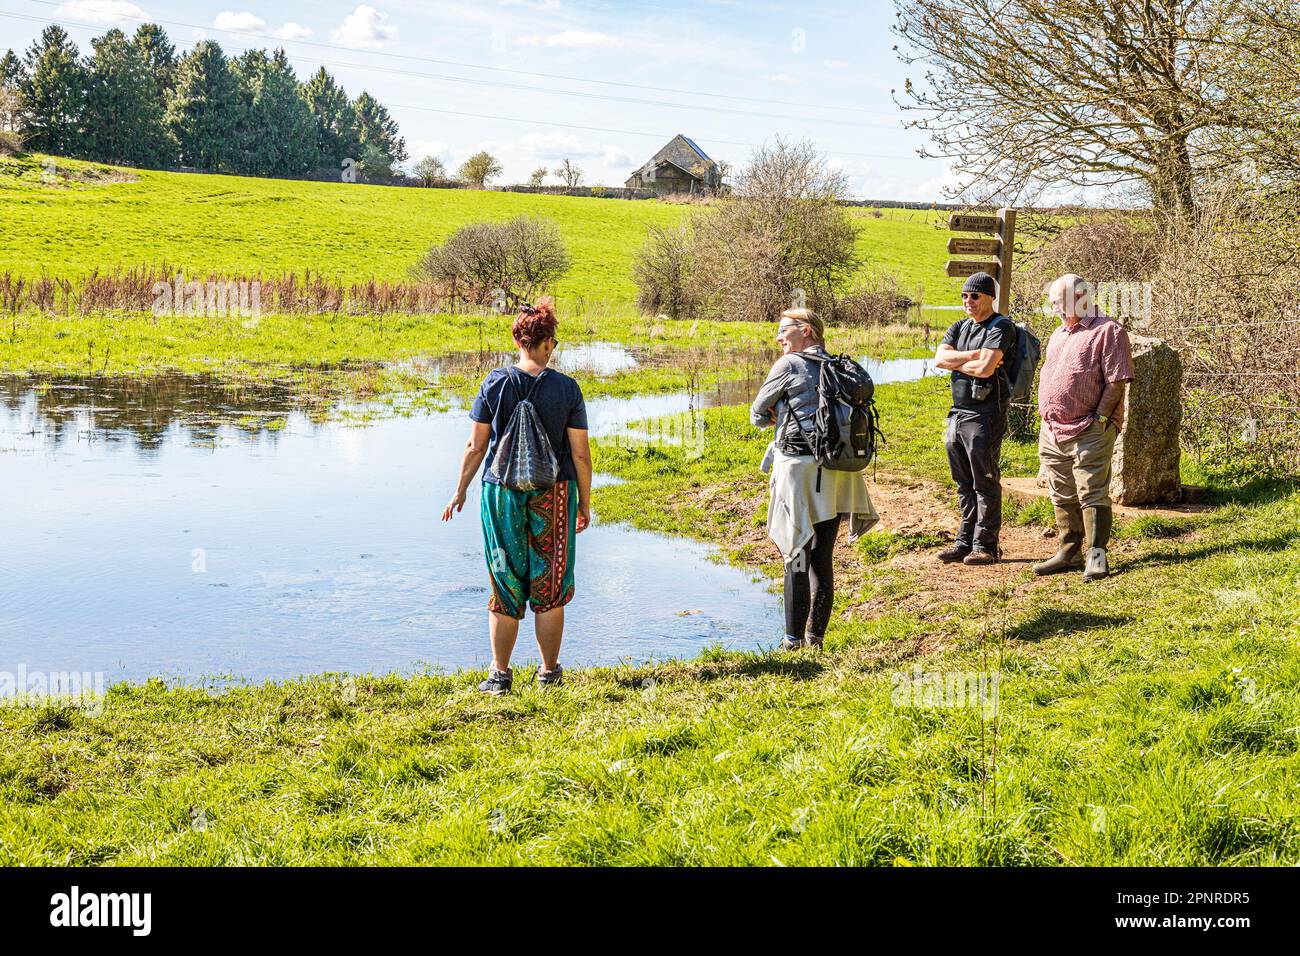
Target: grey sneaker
<point x="498" y="682"/>
<point x="789" y="643"/>
<point x="811" y="640"/>
<point x="553" y="678"/>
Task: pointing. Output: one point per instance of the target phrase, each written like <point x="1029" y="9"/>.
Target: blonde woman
<point x="807" y="500"/>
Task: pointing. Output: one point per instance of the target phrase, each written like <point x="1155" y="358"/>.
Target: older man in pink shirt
<point x="1081" y="402"/>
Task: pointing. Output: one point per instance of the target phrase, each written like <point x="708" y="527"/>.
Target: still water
<point x="148" y="532"/>
<point x="177" y="528"/>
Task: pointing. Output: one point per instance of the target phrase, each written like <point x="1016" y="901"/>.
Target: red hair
<point x="534" y="324"/>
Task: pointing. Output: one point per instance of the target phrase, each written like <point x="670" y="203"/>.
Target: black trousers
<point x="974" y="446"/>
<point x="809" y="583"/>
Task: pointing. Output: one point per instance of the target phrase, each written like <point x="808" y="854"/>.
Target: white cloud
<point x="557" y="146"/>
<point x="241" y="20"/>
<point x="101" y="11"/>
<point x="573" y="40"/>
<point x="437" y="148"/>
<point x="293" y="31"/>
<point x="783" y="78"/>
<point x="835" y="64"/>
<point x="365" y="28"/>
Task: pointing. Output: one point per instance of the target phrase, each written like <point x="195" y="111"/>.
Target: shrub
<point x="11" y="142"/>
<point x="661" y="271"/>
<point x="780" y="239"/>
<point x="1101" y="247"/>
<point x="499" y="264"/>
<point x="1225" y="297"/>
<point x="873" y="301"/>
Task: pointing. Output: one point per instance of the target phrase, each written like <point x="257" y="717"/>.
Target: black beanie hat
<point x="981" y="282"/>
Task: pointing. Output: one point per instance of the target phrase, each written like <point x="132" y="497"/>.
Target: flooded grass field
<point x="195" y="529"/>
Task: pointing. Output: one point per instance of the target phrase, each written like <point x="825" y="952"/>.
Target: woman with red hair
<point x="528" y="534"/>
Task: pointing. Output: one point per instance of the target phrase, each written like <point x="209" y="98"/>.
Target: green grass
<point x="1148" y="719"/>
<point x="1156" y="727"/>
<point x="244" y="225"/>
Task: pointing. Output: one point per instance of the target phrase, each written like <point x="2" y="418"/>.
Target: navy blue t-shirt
<point x="558" y="401"/>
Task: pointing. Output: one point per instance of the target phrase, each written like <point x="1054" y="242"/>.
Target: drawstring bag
<point x="525" y="460"/>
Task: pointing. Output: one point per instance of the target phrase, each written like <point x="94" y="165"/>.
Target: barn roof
<point x="683" y="153"/>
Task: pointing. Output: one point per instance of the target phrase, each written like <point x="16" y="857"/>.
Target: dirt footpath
<point x="911" y="506"/>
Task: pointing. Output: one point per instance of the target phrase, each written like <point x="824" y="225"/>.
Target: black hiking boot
<point x="954" y="554"/>
<point x="982" y="556"/>
<point x="498" y="682"/>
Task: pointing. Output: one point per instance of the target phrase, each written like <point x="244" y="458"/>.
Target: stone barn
<point x="680" y="167"/>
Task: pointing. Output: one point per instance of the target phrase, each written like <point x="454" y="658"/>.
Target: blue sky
<point x="821" y="71"/>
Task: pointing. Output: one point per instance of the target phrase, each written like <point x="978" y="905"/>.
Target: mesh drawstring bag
<point x="525" y="460"/>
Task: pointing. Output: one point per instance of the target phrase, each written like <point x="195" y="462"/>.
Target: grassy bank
<point x="1151" y="718"/>
<point x="245" y="225"/>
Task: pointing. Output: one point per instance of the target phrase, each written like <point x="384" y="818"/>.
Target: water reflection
<point x="295" y="547"/>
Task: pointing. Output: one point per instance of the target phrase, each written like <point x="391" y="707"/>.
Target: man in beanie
<point x="1081" y="389"/>
<point x="973" y="350"/>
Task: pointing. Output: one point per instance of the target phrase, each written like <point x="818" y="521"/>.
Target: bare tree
<point x="497" y="263"/>
<point x="430" y="170"/>
<point x="791" y="241"/>
<point x="570" y="173"/>
<point x="1266" y="93"/>
<point x="1024" y="94"/>
<point x="662" y="272"/>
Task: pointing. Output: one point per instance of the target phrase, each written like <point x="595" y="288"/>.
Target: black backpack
<point x="525" y="460"/>
<point x="846" y="426"/>
<point x="1029" y="350"/>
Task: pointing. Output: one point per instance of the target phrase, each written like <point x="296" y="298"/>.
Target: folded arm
<point x="978" y="363"/>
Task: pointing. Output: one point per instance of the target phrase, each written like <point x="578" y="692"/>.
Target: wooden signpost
<point x="1003" y="226"/>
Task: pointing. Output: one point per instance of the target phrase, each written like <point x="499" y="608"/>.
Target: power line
<point x="495" y="69"/>
<point x="624" y="132"/>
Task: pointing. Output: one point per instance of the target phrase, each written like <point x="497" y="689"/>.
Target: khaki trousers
<point x="1078" y="471"/>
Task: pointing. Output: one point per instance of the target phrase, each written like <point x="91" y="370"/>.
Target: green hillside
<point x="89" y="220"/>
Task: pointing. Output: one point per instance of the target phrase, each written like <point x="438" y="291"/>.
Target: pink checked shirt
<point x="1081" y="361"/>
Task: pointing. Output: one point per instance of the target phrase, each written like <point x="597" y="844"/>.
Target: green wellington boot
<point x="1096" y="524"/>
<point x="1069" y="554"/>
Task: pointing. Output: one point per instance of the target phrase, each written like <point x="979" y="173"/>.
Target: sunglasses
<point x="970" y="295"/>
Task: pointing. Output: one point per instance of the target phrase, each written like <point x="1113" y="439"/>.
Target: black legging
<point x="800" y="618"/>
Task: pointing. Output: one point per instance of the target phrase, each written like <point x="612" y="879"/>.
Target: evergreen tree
<point x="278" y="131"/>
<point x="124" y="114"/>
<point x="376" y="128"/>
<point x="158" y="54"/>
<point x="53" y="93"/>
<point x="336" y="122"/>
<point x="203" y="112"/>
<point x="11" y="70"/>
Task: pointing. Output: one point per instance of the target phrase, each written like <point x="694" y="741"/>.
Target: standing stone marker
<point x="1145" y="465"/>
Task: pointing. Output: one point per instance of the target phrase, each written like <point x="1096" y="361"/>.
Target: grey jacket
<point x="792" y="382"/>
